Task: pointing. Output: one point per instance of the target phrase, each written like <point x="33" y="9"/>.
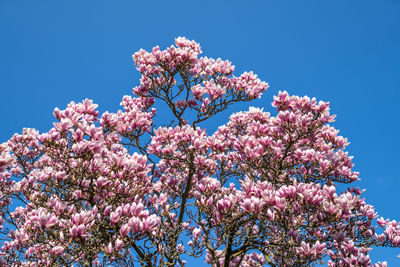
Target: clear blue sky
<point x="343" y="51"/>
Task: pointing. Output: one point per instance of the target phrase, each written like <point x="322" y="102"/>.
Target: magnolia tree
<point x="115" y="189"/>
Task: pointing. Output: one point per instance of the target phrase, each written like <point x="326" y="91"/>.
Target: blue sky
<point x="345" y="52"/>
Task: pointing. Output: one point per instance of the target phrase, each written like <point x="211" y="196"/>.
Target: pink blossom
<point x="196" y="233"/>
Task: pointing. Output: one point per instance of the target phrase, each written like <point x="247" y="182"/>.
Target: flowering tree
<point x="117" y="190"/>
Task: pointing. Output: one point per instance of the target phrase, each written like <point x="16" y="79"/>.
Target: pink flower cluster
<point x="114" y="189"/>
<point x="136" y="120"/>
<point x="210" y="84"/>
<point x="75" y="180"/>
<point x="297" y="140"/>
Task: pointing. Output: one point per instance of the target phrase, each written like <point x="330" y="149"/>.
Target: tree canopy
<point x="116" y="189"/>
